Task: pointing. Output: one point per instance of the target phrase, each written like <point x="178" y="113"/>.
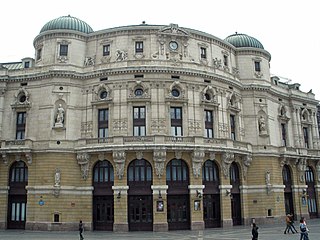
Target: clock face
<point x="173" y="45"/>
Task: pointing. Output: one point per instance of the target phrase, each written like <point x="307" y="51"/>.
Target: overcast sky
<point x="288" y="29"/>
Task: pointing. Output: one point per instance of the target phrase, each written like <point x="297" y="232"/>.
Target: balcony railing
<point x="138" y="139"/>
<point x="175" y="139"/>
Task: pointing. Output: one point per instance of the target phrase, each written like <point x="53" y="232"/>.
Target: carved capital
<point x="159" y="156"/>
<point x="227" y="159"/>
<point x="197" y="160"/>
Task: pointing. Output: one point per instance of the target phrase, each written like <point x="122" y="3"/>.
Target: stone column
<point x="120" y="195"/>
<point x="196" y="207"/>
<point x="225" y="201"/>
<point x="160" y="222"/>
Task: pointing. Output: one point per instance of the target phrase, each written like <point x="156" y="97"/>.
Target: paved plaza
<point x="266" y="232"/>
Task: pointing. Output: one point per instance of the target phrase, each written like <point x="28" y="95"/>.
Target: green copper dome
<point x="68" y="23"/>
<point x="240" y="40"/>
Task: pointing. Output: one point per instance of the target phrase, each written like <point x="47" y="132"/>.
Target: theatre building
<point x="152" y="128"/>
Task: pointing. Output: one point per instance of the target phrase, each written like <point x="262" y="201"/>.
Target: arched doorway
<point x="235" y="194"/>
<point x="311" y="192"/>
<point x="103" y="177"/>
<point x="140" y="205"/>
<point x="178" y="207"/>
<point x="17" y="201"/>
<point x="211" y="195"/>
<point x="287" y="182"/>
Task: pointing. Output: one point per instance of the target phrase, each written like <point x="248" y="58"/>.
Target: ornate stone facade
<point x="154" y="95"/>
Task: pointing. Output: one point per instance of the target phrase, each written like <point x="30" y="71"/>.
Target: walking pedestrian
<point x="303" y="230"/>
<point x="292" y="223"/>
<point x="288" y="225"/>
<point x="81" y="229"/>
<point x="254" y="231"/>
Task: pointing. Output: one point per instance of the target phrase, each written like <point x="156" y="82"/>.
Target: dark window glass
<point x="103" y="95"/>
<point x="26" y="64"/>
<point x="139" y="47"/>
<point x="233" y="127"/>
<point x="139" y="121"/>
<point x="225" y="60"/>
<point x="139" y="171"/>
<point x="284" y="134"/>
<point x="175" y="93"/>
<point x="234" y="173"/>
<point x="106" y="50"/>
<point x="103" y="123"/>
<point x="103" y="172"/>
<point x="257" y="66"/>
<point x="177" y="171"/>
<point x="138" y="92"/>
<point x="203" y="53"/>
<point x="210" y="172"/>
<point x="63" y="50"/>
<point x="21" y="125"/>
<point x="176" y="121"/>
<point x="208" y="124"/>
<point x="306" y="137"/>
<point x="39" y="53"/>
<point x="19" y="172"/>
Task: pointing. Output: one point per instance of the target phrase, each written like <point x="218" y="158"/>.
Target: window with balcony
<point x="208" y="123"/>
<point x="63" y="50"/>
<point x="21" y="125"/>
<point x="103" y="123"/>
<point x="306" y="137"/>
<point x="176" y="121"/>
<point x="106" y="50"/>
<point x="233" y="126"/>
<point x="139" y="121"/>
<point x="139" y="47"/>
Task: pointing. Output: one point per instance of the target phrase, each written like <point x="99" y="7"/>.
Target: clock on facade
<point x="173" y="45"/>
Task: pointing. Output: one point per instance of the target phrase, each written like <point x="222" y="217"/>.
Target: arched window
<point x="139" y="171"/>
<point x="19" y="173"/>
<point x="103" y="172"/>
<point x="286" y="175"/>
<point x="177" y="171"/>
<point x="309" y="175"/>
<point x="210" y="172"/>
<point x="234" y="173"/>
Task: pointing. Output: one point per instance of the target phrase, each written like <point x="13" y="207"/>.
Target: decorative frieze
<point x="119" y="157"/>
<point x="83" y="161"/>
<point x="159" y="157"/>
<point x="197" y="160"/>
<point x="227" y="159"/>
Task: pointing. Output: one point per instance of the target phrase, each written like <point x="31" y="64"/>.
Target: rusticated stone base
<point x="160" y="227"/>
<point x="3" y="225"/>
<point x="61" y="226"/>
<point x="120" y="227"/>
<point x="197" y="225"/>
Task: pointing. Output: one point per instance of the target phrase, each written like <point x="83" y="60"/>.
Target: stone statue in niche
<point x="57" y="178"/>
<point x="262" y="125"/>
<point x="60" y="116"/>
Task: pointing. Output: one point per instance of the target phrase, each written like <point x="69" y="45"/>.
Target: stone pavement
<point x="266" y="232"/>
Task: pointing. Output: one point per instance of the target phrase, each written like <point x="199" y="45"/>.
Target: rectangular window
<point x="21" y="125"/>
<point x="103" y="123"/>
<point x="257" y="67"/>
<point x="176" y="121"/>
<point x="203" y="53"/>
<point x="63" y="50"/>
<point x="139" y="121"/>
<point x="306" y="137"/>
<point x="233" y="126"/>
<point x="106" y="50"/>
<point x="208" y="122"/>
<point x="39" y="52"/>
<point x="225" y="60"/>
<point x="284" y="134"/>
<point x="139" y="47"/>
<point x="26" y="64"/>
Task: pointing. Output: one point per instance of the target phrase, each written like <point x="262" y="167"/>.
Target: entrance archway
<point x="177" y="176"/>
<point x="103" y="204"/>
<point x="287" y="182"/>
<point x="140" y="205"/>
<point x="17" y="200"/>
<point x="211" y="195"/>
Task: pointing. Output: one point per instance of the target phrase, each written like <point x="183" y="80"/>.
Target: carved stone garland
<point x="83" y="161"/>
<point x="119" y="158"/>
<point x="159" y="156"/>
<point x="197" y="160"/>
<point x="227" y="159"/>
